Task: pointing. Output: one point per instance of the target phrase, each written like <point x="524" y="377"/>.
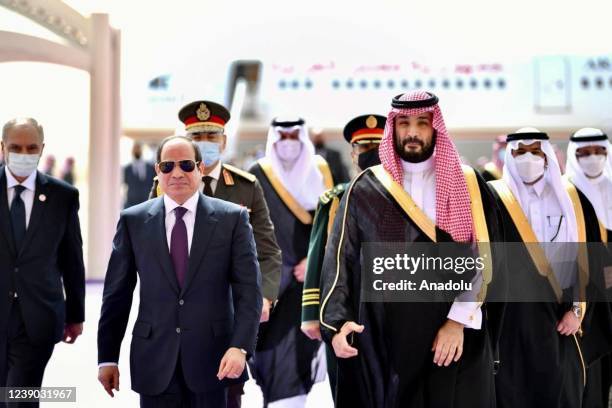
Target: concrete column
<point x="104" y="169"/>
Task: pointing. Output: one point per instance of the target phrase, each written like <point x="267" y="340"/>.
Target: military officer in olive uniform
<point x="204" y="124"/>
<point x="364" y="134"/>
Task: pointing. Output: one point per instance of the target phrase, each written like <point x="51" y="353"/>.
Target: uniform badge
<point x="371" y="122"/>
<point x="203" y="113"/>
<point x="42" y="198"/>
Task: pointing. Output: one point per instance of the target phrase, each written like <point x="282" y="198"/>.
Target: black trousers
<point x="22" y="363"/>
<point x="178" y="395"/>
<point x="234" y="395"/>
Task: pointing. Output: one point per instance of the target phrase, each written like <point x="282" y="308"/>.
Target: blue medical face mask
<point x="210" y="151"/>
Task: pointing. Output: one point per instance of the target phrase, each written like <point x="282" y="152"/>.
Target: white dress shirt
<point x="544" y="213"/>
<point x="604" y="188"/>
<point x="420" y="184"/>
<point x="189" y="218"/>
<point x="545" y="216"/>
<point x="27" y="195"/>
<point x="215" y="174"/>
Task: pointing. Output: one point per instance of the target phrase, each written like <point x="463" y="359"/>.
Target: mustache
<point x="412" y="140"/>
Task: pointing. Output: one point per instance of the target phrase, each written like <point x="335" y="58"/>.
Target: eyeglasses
<point x="186" y="165"/>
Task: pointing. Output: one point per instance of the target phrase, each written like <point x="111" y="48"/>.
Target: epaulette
<point x="239" y="172"/>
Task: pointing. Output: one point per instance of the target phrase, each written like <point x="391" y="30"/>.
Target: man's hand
<point x="448" y="344"/>
<point x="72" y="331"/>
<point x="312" y="330"/>
<point x="340" y="344"/>
<point x="569" y="324"/>
<point x="232" y="364"/>
<point x="299" y="270"/>
<point x="109" y="378"/>
<point x="265" y="310"/>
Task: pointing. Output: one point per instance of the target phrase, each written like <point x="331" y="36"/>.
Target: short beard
<point x="414" y="157"/>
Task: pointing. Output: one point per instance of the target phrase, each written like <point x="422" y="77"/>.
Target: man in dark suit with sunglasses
<point x="200" y="290"/>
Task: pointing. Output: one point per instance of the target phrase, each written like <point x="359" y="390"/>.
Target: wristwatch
<point x="577" y="310"/>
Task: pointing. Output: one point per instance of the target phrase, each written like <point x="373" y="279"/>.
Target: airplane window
<point x="599" y="83"/>
<point x="501" y="83"/>
<point x="405" y="83"/>
<point x="282" y="84"/>
<point x="473" y="83"/>
<point x="610" y="83"/>
<point x="445" y="84"/>
<point x="363" y="83"/>
<point x="584" y="82"/>
<point x="418" y="83"/>
<point x="487" y="83"/>
<point x="336" y="84"/>
<point x="349" y="84"/>
<point x="390" y="84"/>
<point x="459" y="84"/>
<point x="377" y="84"/>
<point x="295" y="84"/>
<point x="308" y="84"/>
<point x="432" y="83"/>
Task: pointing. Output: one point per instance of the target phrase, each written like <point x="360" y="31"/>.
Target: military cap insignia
<point x="203" y="113"/>
<point x="371" y="122"/>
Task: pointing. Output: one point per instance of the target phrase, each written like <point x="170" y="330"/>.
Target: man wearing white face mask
<point x="589" y="170"/>
<point x="205" y="124"/>
<point x="543" y="315"/>
<point x="41" y="259"/>
<point x="286" y="362"/>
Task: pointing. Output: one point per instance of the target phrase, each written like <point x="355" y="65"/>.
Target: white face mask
<point x="22" y="165"/>
<point x="288" y="150"/>
<point x="529" y="166"/>
<point x="593" y="164"/>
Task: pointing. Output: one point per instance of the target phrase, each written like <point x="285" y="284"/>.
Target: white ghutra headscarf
<point x="582" y="138"/>
<point x="552" y="176"/>
<point x="302" y="178"/>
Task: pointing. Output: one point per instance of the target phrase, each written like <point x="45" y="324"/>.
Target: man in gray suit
<point x="200" y="290"/>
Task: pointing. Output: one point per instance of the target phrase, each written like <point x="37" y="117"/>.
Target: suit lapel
<point x="205" y="223"/>
<point x="5" y="223"/>
<point x="38" y="209"/>
<point x="156" y="229"/>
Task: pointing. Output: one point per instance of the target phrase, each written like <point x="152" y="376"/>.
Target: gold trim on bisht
<point x="328" y="180"/>
<point x="527" y="235"/>
<point x="405" y="201"/>
<point x="583" y="256"/>
<point x="480" y="229"/>
<point x="297" y="210"/>
<point x="338" y="254"/>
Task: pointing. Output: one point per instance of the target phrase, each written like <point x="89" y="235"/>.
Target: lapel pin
<point x="42" y="198"/>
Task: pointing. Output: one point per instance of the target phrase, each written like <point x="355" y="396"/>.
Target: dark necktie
<point x="179" y="251"/>
<point x="208" y="186"/>
<point x="18" y="217"/>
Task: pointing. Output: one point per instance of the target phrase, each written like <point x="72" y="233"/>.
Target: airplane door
<point x="552" y="85"/>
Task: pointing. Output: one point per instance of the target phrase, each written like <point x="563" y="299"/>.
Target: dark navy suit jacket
<point x="218" y="306"/>
<point x="47" y="272"/>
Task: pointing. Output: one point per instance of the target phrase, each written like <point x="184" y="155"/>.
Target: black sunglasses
<point x="186" y="165"/>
